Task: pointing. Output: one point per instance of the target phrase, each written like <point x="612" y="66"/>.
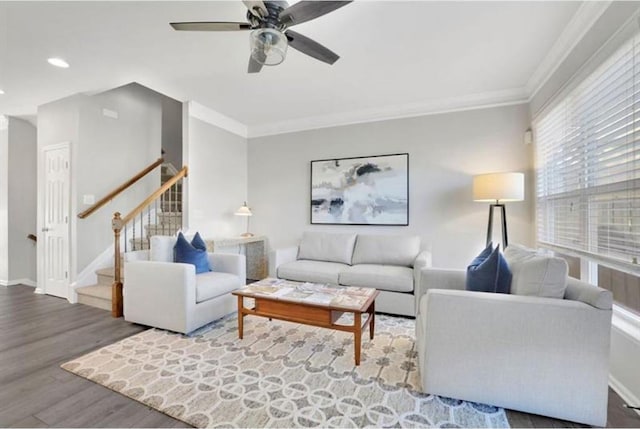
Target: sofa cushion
<point x="398" y="250"/>
<point x="213" y="284"/>
<point x="161" y="249"/>
<point x="311" y="271"/>
<point x="329" y="247"/>
<point x="384" y="277"/>
<point x="535" y="274"/>
<point x="489" y="272"/>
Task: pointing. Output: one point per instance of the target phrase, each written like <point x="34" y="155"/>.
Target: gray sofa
<point x="389" y="263"/>
<point x="542" y="349"/>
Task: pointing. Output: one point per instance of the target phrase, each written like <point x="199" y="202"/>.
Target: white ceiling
<point x="394" y="55"/>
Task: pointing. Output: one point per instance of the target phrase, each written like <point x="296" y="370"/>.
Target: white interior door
<point x="56" y="220"/>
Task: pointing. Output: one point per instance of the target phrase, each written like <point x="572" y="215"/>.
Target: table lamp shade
<point x="498" y="187"/>
<point x="243" y="211"/>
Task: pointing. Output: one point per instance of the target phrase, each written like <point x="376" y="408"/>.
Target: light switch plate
<point x="88" y="199"/>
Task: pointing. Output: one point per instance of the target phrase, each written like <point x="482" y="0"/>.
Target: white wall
<point x="22" y="200"/>
<point x="217" y="181"/>
<point x="445" y="151"/>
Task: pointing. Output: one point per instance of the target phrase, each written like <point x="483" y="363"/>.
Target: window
<point x="588" y="166"/>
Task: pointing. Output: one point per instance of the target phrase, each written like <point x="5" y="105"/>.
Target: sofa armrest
<point x="423" y="260"/>
<point x="160" y="294"/>
<point x="541" y="355"/>
<point x="229" y="263"/>
<point x="138" y="255"/>
<point x="438" y="278"/>
<point x="281" y="256"/>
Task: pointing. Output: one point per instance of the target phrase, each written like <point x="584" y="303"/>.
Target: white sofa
<point x="540" y="355"/>
<point x="389" y="263"/>
<point x="167" y="295"/>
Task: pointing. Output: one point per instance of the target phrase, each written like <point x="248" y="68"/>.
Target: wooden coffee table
<point x="310" y="304"/>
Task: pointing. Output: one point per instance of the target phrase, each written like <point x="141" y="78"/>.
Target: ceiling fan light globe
<point x="268" y="46"/>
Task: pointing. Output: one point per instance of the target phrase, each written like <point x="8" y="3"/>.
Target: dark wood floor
<point x="38" y="333"/>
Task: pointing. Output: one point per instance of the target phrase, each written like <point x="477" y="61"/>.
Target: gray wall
<point x="172" y="130"/>
<point x="217" y="182"/>
<point x="22" y="199"/>
<point x="4" y="199"/>
<point x="445" y="151"/>
<point x="105" y="152"/>
<point x="18" y="172"/>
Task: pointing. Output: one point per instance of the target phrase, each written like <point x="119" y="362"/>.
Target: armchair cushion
<point x="213" y="284"/>
<point x="187" y="253"/>
<point x="386" y="250"/>
<point x="385" y="277"/>
<point x="535" y="274"/>
<point x="489" y="272"/>
<point x="320" y="246"/>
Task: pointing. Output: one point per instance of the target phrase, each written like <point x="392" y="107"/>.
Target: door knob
<point x="45" y="229"/>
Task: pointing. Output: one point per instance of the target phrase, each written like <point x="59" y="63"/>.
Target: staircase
<point x="168" y="220"/>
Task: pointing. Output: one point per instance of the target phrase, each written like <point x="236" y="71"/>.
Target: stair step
<point x="170" y="218"/>
<point x="169" y="229"/>
<point x="98" y="296"/>
<point x="105" y="276"/>
<point x="138" y="244"/>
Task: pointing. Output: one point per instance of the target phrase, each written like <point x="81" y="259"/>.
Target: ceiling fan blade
<point x="256" y="7"/>
<point x="210" y="26"/>
<point x="254" y="66"/>
<point x="311" y="47"/>
<point x="304" y="11"/>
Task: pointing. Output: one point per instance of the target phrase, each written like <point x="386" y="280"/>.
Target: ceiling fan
<point x="270" y="22"/>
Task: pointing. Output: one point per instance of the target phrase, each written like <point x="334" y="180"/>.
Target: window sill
<point x="627" y="322"/>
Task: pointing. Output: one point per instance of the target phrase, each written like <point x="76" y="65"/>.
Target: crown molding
<point x="410" y="110"/>
<point x="581" y="22"/>
<point x="210" y="116"/>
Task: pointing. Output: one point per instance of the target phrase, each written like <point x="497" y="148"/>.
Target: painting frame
<point x="400" y="160"/>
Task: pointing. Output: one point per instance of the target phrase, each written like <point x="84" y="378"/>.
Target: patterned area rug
<point x="281" y="375"/>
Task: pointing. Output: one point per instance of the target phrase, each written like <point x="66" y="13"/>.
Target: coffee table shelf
<point x="295" y="302"/>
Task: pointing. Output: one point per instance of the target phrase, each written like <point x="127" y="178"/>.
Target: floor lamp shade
<point x="498" y="188"/>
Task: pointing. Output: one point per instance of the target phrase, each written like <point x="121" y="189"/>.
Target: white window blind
<point x="588" y="164"/>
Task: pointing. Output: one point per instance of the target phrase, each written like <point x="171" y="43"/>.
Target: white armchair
<point x="171" y="296"/>
<point x="538" y="355"/>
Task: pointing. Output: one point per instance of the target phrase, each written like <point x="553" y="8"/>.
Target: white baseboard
<point x="39" y="291"/>
<point x="26" y="282"/>
<point x="627" y="396"/>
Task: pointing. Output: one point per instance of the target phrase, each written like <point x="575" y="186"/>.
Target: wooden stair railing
<point x="111" y="195"/>
<point x="119" y="223"/>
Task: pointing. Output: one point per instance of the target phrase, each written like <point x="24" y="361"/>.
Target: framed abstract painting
<point x="371" y="190"/>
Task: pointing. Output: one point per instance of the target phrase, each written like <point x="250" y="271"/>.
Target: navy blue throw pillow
<point x="198" y="242"/>
<point x="187" y="253"/>
<point x="489" y="272"/>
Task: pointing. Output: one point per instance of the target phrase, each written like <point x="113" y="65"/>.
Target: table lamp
<point x="498" y="188"/>
<point x="245" y="211"/>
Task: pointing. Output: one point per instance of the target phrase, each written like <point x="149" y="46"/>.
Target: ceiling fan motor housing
<point x="272" y="19"/>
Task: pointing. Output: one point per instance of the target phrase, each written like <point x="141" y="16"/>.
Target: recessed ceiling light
<point x="1" y="92"/>
<point x="58" y="62"/>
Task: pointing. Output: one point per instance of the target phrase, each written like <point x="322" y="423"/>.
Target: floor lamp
<point x="498" y="188"/>
<point x="245" y="211"/>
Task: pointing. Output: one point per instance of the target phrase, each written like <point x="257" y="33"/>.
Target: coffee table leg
<point x="240" y="316"/>
<point x="372" y="319"/>
<point x="357" y="325"/>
